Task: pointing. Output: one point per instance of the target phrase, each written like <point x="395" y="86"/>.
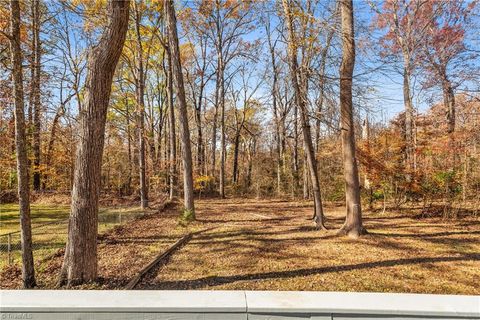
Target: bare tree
<point x="228" y="22"/>
<point x="28" y="272"/>
<point x="353" y="223"/>
<point x="406" y="27"/>
<point x="279" y="122"/>
<point x="35" y="91"/>
<point x="80" y="261"/>
<point x="197" y="81"/>
<point x="301" y="100"/>
<point x="182" y="103"/>
<point x="140" y="100"/>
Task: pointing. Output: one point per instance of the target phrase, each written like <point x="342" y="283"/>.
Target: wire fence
<point x="47" y="238"/>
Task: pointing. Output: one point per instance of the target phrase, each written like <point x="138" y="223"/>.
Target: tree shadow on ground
<point x="212" y="281"/>
<point x="424" y="235"/>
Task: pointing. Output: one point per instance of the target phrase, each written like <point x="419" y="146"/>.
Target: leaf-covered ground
<point x="271" y="245"/>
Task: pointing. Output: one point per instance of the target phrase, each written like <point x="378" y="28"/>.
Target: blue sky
<point x="386" y="99"/>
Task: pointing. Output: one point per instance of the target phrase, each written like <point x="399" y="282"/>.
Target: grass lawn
<point x="49" y="227"/>
<point x="271" y="245"/>
<point x="40" y="214"/>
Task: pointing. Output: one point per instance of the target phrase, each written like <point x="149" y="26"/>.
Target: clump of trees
<point x="138" y="98"/>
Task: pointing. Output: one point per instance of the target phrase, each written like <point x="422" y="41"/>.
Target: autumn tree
<point x="182" y="108"/>
<point x="301" y="101"/>
<point x="244" y="107"/>
<point x="140" y="100"/>
<point x="28" y="272"/>
<point x="172" y="137"/>
<point x="80" y="261"/>
<point x="279" y="114"/>
<point x="197" y="75"/>
<point x="405" y="34"/>
<point x="445" y="49"/>
<point x="35" y="102"/>
<point x="353" y="223"/>
<point x="225" y="23"/>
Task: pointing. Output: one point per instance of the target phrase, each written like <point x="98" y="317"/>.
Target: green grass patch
<point x="40" y="214"/>
<point x="50" y="227"/>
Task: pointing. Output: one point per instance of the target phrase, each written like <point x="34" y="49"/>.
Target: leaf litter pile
<point x="271" y="245"/>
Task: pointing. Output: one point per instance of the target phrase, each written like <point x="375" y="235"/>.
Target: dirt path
<point x="271" y="245"/>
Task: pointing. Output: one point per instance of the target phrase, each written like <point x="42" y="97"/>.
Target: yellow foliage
<point x="94" y="12"/>
<point x="202" y="183"/>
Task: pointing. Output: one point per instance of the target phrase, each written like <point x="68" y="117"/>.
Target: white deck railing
<point x="179" y="305"/>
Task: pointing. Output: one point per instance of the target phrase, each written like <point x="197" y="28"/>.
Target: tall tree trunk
<point x="172" y="135"/>
<point x="296" y="169"/>
<point x="274" y="93"/>
<point x="214" y="131"/>
<point x="409" y="118"/>
<point x="322" y="90"/>
<point x="151" y="137"/>
<point x="35" y="92"/>
<point x="366" y="180"/>
<point x="449" y="103"/>
<point x="236" y="147"/>
<point x="353" y="223"/>
<point x="221" y="97"/>
<point x="300" y="99"/>
<point x="28" y="272"/>
<point x="251" y="149"/>
<point x="182" y="104"/>
<point x="305" y="178"/>
<point x="80" y="261"/>
<point x="140" y="97"/>
<point x="128" y="188"/>
<point x="160" y="125"/>
<point x="141" y="148"/>
<point x="198" y="122"/>
<point x="200" y="145"/>
<point x="218" y="89"/>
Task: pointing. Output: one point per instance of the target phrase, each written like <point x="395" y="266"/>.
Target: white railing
<point x="218" y="305"/>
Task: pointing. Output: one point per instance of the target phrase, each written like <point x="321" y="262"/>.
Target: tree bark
<point x="198" y="121"/>
<point x="198" y="111"/>
<point x="35" y="92"/>
<point x="409" y="118"/>
<point x="449" y="103"/>
<point x="80" y="261"/>
<point x="221" y="97"/>
<point x="353" y="223"/>
<point x="277" y="120"/>
<point x="236" y="146"/>
<point x="300" y="99"/>
<point x="160" y="126"/>
<point x="172" y="135"/>
<point x="322" y="90"/>
<point x="182" y="103"/>
<point x="296" y="168"/>
<point x="140" y="99"/>
<point x="128" y="187"/>
<point x="214" y="132"/>
<point x="407" y="97"/>
<point x="28" y="272"/>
